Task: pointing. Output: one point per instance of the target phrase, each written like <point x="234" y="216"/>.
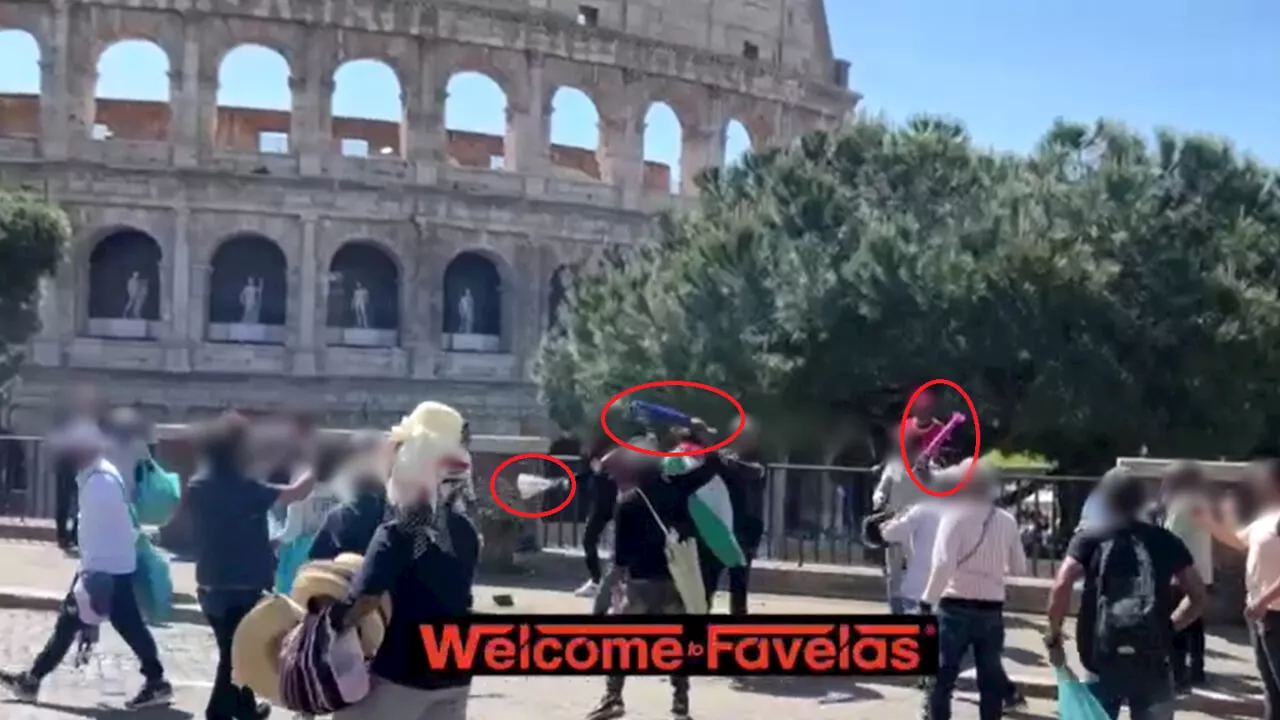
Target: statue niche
<point x="124" y="285"/>
<point x="362" y="296"/>
<point x="472" y="304"/>
<point x="248" y="291"/>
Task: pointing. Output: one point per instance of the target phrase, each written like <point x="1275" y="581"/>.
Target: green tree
<point x="34" y="235"/>
<point x="1095" y="296"/>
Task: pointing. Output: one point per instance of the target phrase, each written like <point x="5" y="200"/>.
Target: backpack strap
<point x="986" y="525"/>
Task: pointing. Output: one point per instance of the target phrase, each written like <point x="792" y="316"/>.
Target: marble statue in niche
<point x="251" y="301"/>
<point x="135" y="296"/>
<point x="360" y="305"/>
<point x="466" y="313"/>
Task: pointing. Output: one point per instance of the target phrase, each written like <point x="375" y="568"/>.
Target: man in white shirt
<point x="977" y="547"/>
<point x="108" y="560"/>
<point x="1185" y="498"/>
<point x="897" y="492"/>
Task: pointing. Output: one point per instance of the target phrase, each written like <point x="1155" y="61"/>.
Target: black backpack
<point x="1130" y="625"/>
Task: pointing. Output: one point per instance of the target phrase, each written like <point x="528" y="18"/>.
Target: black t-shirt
<point x="229" y="525"/>
<point x="1169" y="556"/>
<point x="350" y="527"/>
<point x="434" y="588"/>
<point x="639" y="541"/>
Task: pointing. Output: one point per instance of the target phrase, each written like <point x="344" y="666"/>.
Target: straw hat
<point x="255" y="649"/>
<point x="346" y="566"/>
<point x="325" y="580"/>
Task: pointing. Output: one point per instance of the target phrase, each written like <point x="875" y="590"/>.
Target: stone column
<point x="527" y="145"/>
<point x="55" y="86"/>
<point x="186" y="90"/>
<point x="304" y="355"/>
<point x="702" y="147"/>
<point x="305" y="139"/>
<point x="178" y="354"/>
<point x="423" y="135"/>
<point x="621" y="154"/>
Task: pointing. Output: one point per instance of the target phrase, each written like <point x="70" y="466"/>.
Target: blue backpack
<point x="158" y="493"/>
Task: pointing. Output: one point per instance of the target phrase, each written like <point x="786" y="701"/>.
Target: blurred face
<point x="748" y="440"/>
<point x="84" y="400"/>
<point x="924" y="407"/>
<point x="1265" y="484"/>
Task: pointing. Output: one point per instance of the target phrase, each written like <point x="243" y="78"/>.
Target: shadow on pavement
<point x="838" y="690"/>
<point x="107" y="712"/>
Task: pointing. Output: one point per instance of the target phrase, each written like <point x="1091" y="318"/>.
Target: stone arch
<point x="737" y="142"/>
<point x="254" y="100"/>
<point x="145" y="113"/>
<point x="22" y="52"/>
<point x="574" y="131"/>
<point x="124" y="277"/>
<point x="241" y="262"/>
<point x="472" y="274"/>
<point x="476" y="120"/>
<point x="360" y="87"/>
<point x="363" y="265"/>
<point x="663" y="145"/>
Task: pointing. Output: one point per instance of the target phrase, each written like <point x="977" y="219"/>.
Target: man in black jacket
<point x="84" y="409"/>
<point x="744" y="477"/>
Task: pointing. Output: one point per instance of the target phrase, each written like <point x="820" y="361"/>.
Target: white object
<point x="533" y="485"/>
<point x="589" y="589"/>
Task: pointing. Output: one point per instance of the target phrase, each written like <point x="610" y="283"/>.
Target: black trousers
<point x="224" y="609"/>
<point x="749" y="532"/>
<point x="65" y="513"/>
<point x="127" y="620"/>
<point x="603" y="501"/>
<point x="1188" y="652"/>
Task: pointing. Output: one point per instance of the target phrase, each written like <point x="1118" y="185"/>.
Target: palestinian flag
<point x="710" y="509"/>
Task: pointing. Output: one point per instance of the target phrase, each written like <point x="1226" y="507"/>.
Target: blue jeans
<point x="964" y="626"/>
<point x="1147" y="700"/>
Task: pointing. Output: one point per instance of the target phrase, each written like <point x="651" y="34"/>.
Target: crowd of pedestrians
<point x="271" y="494"/>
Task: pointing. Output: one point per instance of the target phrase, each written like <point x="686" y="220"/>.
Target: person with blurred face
<point x="977" y="548"/>
<point x="643" y="579"/>
<point x="896" y="493"/>
<point x="108" y="563"/>
<point x="1184" y="492"/>
<point x="744" y="477"/>
<point x="603" y="498"/>
<point x="1129" y="612"/>
<point x="1260" y="541"/>
<point x="360" y="480"/>
<point x="235" y="563"/>
<point x="83" y="410"/>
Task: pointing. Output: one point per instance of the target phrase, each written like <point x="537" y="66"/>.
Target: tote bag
<point x="1075" y="700"/>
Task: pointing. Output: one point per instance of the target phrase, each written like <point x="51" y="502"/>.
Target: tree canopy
<point x="1102" y="293"/>
<point x="33" y="238"/>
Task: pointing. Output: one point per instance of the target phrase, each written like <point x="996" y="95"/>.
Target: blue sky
<point x="1006" y="68"/>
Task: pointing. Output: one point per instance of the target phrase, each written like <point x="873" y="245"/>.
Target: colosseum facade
<point x="254" y="258"/>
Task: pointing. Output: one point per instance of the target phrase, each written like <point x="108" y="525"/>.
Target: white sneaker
<point x="589" y="589"/>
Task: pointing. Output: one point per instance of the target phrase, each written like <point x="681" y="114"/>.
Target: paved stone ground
<point x="187" y="651"/>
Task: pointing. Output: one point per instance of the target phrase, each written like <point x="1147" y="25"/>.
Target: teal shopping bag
<point x="1075" y="700"/>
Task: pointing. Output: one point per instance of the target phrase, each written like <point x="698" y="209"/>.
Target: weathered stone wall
<point x="188" y="176"/>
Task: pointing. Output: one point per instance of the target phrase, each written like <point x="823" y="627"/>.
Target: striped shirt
<point x="970" y="563"/>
